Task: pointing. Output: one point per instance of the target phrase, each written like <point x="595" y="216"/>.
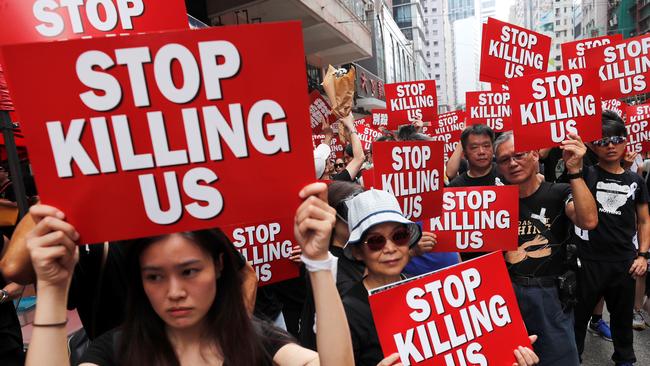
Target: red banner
<point x="380" y="118"/>
<point x="573" y="53"/>
<point x="267" y="247"/>
<point x="367" y="135"/>
<point x="335" y="145"/>
<point x="413" y="172"/>
<point x="623" y="67"/>
<point x="489" y="108"/>
<point x="466" y="314"/>
<point x="477" y="219"/>
<point x="448" y="130"/>
<point x="509" y="51"/>
<point x="638" y="133"/>
<point x="28" y="21"/>
<point x="410" y="101"/>
<point x="130" y="147"/>
<point x="547" y="107"/>
<point x="615" y="106"/>
<point x="319" y="110"/>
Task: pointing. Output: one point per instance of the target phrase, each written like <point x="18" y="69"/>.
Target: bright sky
<point x="503" y="9"/>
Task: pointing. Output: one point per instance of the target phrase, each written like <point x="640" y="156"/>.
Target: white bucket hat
<point x="321" y="154"/>
<point x="373" y="207"/>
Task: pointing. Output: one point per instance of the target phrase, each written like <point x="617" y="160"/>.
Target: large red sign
<point x="509" y="51"/>
<point x="637" y="125"/>
<point x="573" y="53"/>
<point x="623" y="67"/>
<point x="448" y="129"/>
<point x="411" y="100"/>
<point x="489" y="108"/>
<point x="615" y="106"/>
<point x="154" y="133"/>
<point x="547" y="107"/>
<point x="466" y="314"/>
<point x="413" y="172"/>
<point x="28" y="21"/>
<point x="477" y="219"/>
<point x="267" y="247"/>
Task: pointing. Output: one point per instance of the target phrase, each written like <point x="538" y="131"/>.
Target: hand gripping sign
<point x="623" y="67"/>
<point x="44" y="20"/>
<point x="638" y="133"/>
<point x="573" y="53"/>
<point x="465" y="314"/>
<point x="547" y="107"/>
<point x="615" y="106"/>
<point x="410" y="101"/>
<point x="157" y="133"/>
<point x="509" y="51"/>
<point x="477" y="219"/>
<point x="489" y="108"/>
<point x="412" y="171"/>
<point x="267" y="247"/>
<point x="448" y="129"/>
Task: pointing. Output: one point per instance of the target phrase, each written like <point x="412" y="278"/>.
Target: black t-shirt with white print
<point x="617" y="196"/>
<point x="464" y="180"/>
<point x="541" y="253"/>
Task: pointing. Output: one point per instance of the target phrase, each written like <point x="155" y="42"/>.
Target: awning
<point x="368" y="104"/>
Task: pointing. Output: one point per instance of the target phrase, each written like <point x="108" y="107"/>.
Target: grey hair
<point x="506" y="136"/>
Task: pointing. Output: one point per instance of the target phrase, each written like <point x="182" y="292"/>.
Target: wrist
<point x="322" y="262"/>
<point x="643" y="254"/>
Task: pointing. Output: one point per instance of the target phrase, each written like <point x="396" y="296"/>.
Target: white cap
<point x="321" y="154"/>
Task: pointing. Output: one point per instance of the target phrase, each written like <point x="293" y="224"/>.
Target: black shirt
<point x="464" y="180"/>
<point x="11" y="337"/>
<point x="365" y="342"/>
<point x="617" y="196"/>
<point x="554" y="168"/>
<point x="103" y="350"/>
<point x="543" y="232"/>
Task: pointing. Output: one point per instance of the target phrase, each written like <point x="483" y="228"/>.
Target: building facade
<point x="438" y="66"/>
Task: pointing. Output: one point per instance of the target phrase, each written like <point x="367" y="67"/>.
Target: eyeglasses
<point x="516" y="157"/>
<point x="616" y="140"/>
<point x="376" y="242"/>
<point x="339" y="165"/>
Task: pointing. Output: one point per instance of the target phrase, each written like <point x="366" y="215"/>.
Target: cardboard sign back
<point x="131" y="152"/>
<point x="434" y="319"/>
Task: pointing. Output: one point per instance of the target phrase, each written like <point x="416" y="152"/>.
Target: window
<point x="433" y="10"/>
<point x="437" y="76"/>
<point x="435" y="43"/>
<point x="435" y="54"/>
<point x="436" y="65"/>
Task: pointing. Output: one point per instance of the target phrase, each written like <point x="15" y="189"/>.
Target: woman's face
<point x="180" y="280"/>
<point x="339" y="165"/>
<point x="389" y="260"/>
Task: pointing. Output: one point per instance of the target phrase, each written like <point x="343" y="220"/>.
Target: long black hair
<point x="144" y="339"/>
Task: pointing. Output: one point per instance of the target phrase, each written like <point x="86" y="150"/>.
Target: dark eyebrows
<point x="177" y="266"/>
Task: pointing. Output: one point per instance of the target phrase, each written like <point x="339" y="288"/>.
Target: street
<point x="598" y="352"/>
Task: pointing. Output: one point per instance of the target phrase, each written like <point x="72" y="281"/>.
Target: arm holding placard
<point x="16" y="265"/>
<point x="358" y="157"/>
<point x="582" y="210"/>
<point x="640" y="264"/>
<point x="453" y="164"/>
<point x="328" y="131"/>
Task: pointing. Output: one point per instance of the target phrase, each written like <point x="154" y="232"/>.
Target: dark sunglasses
<point x="376" y="242"/>
<point x="616" y="140"/>
<point x="339" y="165"/>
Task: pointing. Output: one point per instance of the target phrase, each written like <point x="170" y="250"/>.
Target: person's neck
<point x="185" y="339"/>
<point x="474" y="172"/>
<point x="529" y="186"/>
<point x="613" y="167"/>
<point x="373" y="281"/>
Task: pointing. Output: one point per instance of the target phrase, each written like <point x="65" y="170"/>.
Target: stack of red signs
<point x="509" y="51"/>
<point x="477" y="219"/>
<point x="448" y="129"/>
<point x="410" y="101"/>
<point x="466" y="314"/>
<point x="623" y="67"/>
<point x="489" y="108"/>
<point x="413" y="172"/>
<point x="573" y="53"/>
<point x="615" y="106"/>
<point x="548" y="107"/>
<point x="638" y="133"/>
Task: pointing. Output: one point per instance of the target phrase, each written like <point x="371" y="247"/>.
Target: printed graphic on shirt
<point x="559" y="168"/>
<point x="536" y="248"/>
<point x="611" y="196"/>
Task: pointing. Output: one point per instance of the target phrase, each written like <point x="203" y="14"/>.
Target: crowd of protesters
<point x="191" y="299"/>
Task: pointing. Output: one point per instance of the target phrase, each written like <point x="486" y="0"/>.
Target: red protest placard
<point x="144" y="148"/>
<point x="477" y="219"/>
<point x="615" y="106"/>
<point x="380" y="119"/>
<point x="319" y="110"/>
<point x="465" y="314"/>
<point x="367" y="135"/>
<point x="46" y="20"/>
<point x="411" y="100"/>
<point x="448" y="129"/>
<point x="573" y="53"/>
<point x="413" y="172"/>
<point x="509" y="51"/>
<point x="368" y="178"/>
<point x="638" y="133"/>
<point x="335" y="145"/>
<point x="623" y="67"/>
<point x="267" y="247"/>
<point x="489" y="108"/>
<point x="547" y="107"/>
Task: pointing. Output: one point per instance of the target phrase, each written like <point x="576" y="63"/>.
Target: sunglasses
<point x="339" y="165"/>
<point x="376" y="242"/>
<point x="616" y="140"/>
<point x="516" y="157"/>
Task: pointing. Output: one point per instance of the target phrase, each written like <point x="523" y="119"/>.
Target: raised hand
<point x="314" y="222"/>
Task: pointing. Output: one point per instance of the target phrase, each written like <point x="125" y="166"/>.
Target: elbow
<point x="589" y="223"/>
<point x="13" y="272"/>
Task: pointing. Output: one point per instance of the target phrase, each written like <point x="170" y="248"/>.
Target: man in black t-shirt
<point x="609" y="260"/>
<point x="543" y="232"/>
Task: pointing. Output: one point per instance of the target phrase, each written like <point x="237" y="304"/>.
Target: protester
<point x="543" y="232"/>
<point x="609" y="261"/>
<point x="11" y="339"/>
<point x="476" y="143"/>
<point x="187" y="307"/>
<point x="322" y="153"/>
<point x="353" y="165"/>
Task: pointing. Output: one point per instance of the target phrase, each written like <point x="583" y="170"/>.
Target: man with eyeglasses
<point x="544" y="213"/>
<point x="609" y="261"/>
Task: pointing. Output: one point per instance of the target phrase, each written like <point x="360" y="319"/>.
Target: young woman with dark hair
<point x="185" y="302"/>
